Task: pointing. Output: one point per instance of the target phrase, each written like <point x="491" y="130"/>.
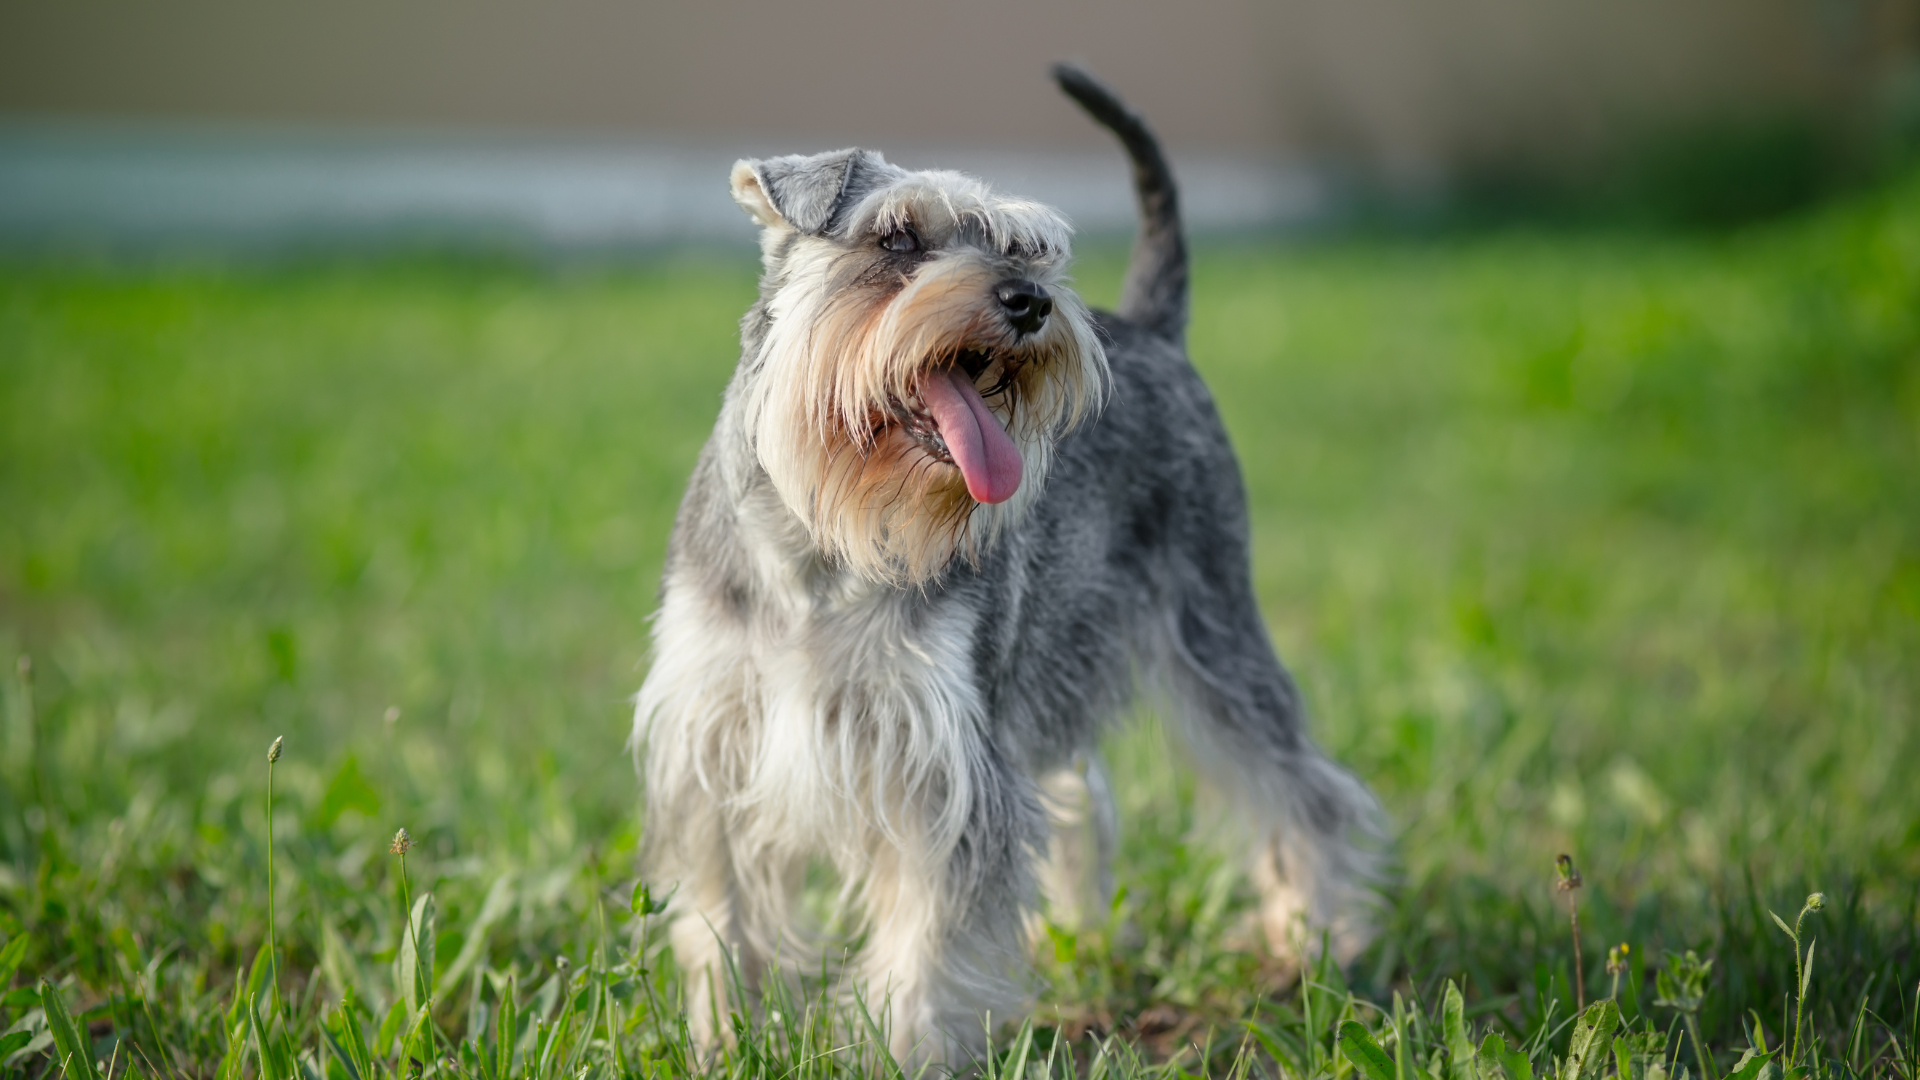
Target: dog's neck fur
<point x="786" y="567"/>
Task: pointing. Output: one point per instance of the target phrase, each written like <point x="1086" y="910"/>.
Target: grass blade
<point x="76" y="1053"/>
<point x="10" y="958"/>
<point x="331" y="1038"/>
<point x="413" y="969"/>
<point x="1453" y="1022"/>
<point x="415" y="1046"/>
<point x="390" y="1029"/>
<point x="1022" y="1048"/>
<point x="259" y="976"/>
<point x="505" y="1026"/>
<point x="234" y="1061"/>
<point x="347" y="1020"/>
<point x="500" y="900"/>
<point x="267" y="1051"/>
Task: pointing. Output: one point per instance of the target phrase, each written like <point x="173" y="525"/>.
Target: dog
<point x="949" y="521"/>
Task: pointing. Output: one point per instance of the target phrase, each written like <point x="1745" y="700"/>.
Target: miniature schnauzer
<point x="948" y="521"/>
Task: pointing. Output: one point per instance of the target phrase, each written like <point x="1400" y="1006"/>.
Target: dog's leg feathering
<point x="1316" y="833"/>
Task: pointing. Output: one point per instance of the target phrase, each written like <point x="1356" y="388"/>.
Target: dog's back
<point x="1136" y="560"/>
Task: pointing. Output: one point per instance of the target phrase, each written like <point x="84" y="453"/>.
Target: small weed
<point x="1802" y="966"/>
<point x="1570" y="883"/>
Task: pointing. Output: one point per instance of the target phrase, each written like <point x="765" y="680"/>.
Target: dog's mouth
<point x="950" y="420"/>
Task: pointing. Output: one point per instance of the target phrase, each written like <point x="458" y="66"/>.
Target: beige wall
<point x="1418" y="86"/>
<point x="1424" y="86"/>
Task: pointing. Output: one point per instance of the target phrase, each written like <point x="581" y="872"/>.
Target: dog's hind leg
<point x="1076" y="879"/>
<point x="1315" y="829"/>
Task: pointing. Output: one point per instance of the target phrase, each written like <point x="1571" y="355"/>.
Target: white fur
<point x="841" y="733"/>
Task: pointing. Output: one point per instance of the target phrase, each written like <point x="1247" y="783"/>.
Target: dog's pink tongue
<point x="979" y="445"/>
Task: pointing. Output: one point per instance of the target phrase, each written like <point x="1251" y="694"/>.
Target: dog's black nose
<point x="1027" y="304"/>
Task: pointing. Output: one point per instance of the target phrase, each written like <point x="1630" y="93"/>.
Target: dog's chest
<point x="860" y="710"/>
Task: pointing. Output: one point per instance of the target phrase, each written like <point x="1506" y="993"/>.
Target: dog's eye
<point x="901" y="241"/>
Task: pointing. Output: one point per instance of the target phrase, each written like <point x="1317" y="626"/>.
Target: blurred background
<point x="601" y="122"/>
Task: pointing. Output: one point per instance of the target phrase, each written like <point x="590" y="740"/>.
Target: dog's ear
<point x="805" y="192"/>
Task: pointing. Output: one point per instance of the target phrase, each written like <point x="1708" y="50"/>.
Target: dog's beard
<point x="839" y="413"/>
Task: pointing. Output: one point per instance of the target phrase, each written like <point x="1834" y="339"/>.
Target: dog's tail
<point x="1155" y="293"/>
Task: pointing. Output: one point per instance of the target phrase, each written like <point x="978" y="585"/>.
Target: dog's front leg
<point x="909" y="909"/>
<point x="945" y="941"/>
<point x="708" y="930"/>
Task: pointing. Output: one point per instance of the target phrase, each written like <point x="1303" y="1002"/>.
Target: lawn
<point x="1588" y="542"/>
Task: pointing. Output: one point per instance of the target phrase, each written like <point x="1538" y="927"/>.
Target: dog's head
<point x="915" y="357"/>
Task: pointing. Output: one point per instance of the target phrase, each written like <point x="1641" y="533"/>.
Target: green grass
<point x="1607" y="545"/>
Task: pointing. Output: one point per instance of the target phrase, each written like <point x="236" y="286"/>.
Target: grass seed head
<point x="1569" y="874"/>
<point x="273" y="752"/>
<point x="402" y="842"/>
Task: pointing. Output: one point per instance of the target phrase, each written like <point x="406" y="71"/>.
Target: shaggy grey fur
<point x="938" y="709"/>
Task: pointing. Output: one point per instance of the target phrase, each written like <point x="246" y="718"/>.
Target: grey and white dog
<point x="948" y="521"/>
